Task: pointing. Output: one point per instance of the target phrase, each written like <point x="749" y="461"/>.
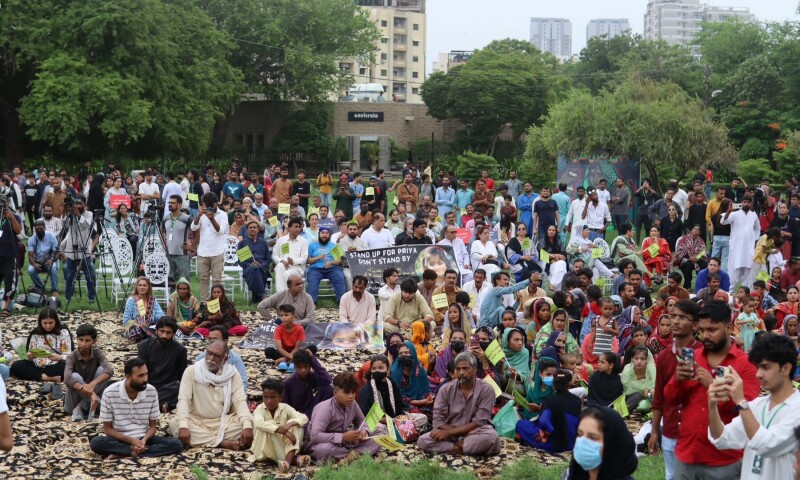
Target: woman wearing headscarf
<point x="629" y="318"/>
<point x="420" y="340"/>
<point x="639" y="378"/>
<point x="379" y="387"/>
<point x="518" y="358"/>
<point x="600" y="428"/>
<point x="580" y="247"/>
<point x="412" y="379"/>
<point x="558" y="322"/>
<point x="184" y="307"/>
<point x="457" y="345"/>
<point x="661" y="338"/>
<point x="392" y="341"/>
<point x="557" y="425"/>
<point x="455" y="319"/>
<point x="484" y="337"/>
<point x="605" y="384"/>
<point x="542" y="387"/>
<point x="227" y="315"/>
<point x="555" y="346"/>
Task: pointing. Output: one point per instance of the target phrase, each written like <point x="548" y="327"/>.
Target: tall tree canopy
<point x="93" y="78"/>
<point x="660" y="124"/>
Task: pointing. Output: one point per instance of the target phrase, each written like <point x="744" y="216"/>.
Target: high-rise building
<point x="552" y="35"/>
<point x="446" y="61"/>
<point x="400" y="60"/>
<point x="610" y="27"/>
<point x="678" y="21"/>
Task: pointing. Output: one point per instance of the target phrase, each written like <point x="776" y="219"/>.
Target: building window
<point x="362" y="71"/>
<point x="384" y="56"/>
<point x="414" y="74"/>
<point x="384" y="73"/>
<point x="415" y="58"/>
<point x="415" y="43"/>
<point x="415" y="91"/>
<point x="416" y="26"/>
<point x="385" y="40"/>
<point x="384" y="23"/>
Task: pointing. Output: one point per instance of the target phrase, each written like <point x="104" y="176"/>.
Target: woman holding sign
<point x="555" y="260"/>
<point x="47" y="349"/>
<point x="118" y="193"/>
<point x="522" y="254"/>
<point x="220" y="311"/>
<point x="580" y="247"/>
<point x="141" y="311"/>
<point x="657" y="254"/>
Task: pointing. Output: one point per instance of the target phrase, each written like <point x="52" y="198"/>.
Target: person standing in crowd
<point x="464" y="198"/>
<point x="345" y="196"/>
<point x="282" y="187"/>
<point x="79" y="241"/>
<point x="212" y="223"/>
<point x="445" y="197"/>
<point x="324" y="185"/>
<point x="645" y="197"/>
<point x="620" y="201"/>
<point x="695" y="456"/>
<point x="302" y="188"/>
<point x="545" y="215"/>
<point x="563" y="201"/>
<point x="745" y="231"/>
<point x="176" y="231"/>
<point x="525" y="206"/>
<point x="596" y="215"/>
<point x="765" y="427"/>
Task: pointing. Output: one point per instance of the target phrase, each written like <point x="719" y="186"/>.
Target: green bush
<point x="756" y="169"/>
<point x="470" y="165"/>
<point x="754" y="148"/>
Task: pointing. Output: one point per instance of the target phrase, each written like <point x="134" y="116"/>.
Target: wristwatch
<point x="743" y="405"/>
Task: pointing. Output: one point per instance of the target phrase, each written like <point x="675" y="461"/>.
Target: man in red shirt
<point x="696" y="456"/>
<point x="684" y="323"/>
<point x="791" y="273"/>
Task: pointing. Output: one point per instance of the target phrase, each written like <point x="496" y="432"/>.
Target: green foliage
<point x="753" y="148"/>
<point x="756" y="168"/>
<point x="726" y="45"/>
<point x="470" y="165"/>
<point x="654" y="122"/>
<point x="421" y="150"/>
<point x="368" y="469"/>
<point x="307" y="130"/>
<point x="99" y="78"/>
<point x="291" y="49"/>
<point x="508" y="82"/>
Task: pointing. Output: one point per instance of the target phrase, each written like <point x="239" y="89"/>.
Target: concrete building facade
<point x="678" y="21"/>
<point x="552" y="35"/>
<point x="610" y="27"/>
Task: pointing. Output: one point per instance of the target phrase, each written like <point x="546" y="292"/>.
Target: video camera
<point x="70" y="200"/>
<point x="154" y="209"/>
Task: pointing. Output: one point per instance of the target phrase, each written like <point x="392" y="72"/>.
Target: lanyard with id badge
<point x="758" y="460"/>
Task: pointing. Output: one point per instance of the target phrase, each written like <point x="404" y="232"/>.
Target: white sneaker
<point x="77" y="414"/>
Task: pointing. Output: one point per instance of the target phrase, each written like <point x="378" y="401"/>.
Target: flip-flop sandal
<point x="283" y="466"/>
<point x="282" y="367"/>
<point x="302" y="461"/>
<point x="291" y="368"/>
<point x="4" y="313"/>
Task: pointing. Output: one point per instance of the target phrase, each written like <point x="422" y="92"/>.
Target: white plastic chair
<point x="120" y="281"/>
<point x="156" y="269"/>
<point x="231" y="271"/>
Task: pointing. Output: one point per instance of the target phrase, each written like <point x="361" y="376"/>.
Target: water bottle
<point x="54" y="302"/>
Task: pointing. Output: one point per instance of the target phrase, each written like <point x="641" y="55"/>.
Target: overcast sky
<point x="471" y="24"/>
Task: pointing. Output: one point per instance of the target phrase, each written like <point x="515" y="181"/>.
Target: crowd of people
<point x="559" y="317"/>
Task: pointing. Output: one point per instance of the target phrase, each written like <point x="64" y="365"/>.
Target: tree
<point x="307" y="130"/>
<point x="291" y="49"/>
<point x="508" y="82"/>
<point x="95" y="78"/>
<point x="658" y="123"/>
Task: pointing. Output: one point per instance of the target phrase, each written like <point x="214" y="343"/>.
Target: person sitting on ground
<point x="449" y="289"/>
<point x="605" y="385"/>
<point x="457" y="318"/>
<point x="542" y="387"/>
<point x="517" y="360"/>
<point x="639" y="379"/>
<point x="54" y="338"/>
<point x="288" y="340"/>
<point x="413" y="380"/>
<point x="129" y="411"/>
<point x="337" y="430"/>
<point x="184" y="307"/>
<point x="218" y="333"/>
<point x="690" y="255"/>
<point x="492" y="306"/>
<point x="462" y="415"/>
<point x="673" y="287"/>
<point x="166" y="360"/>
<point x="457" y="344"/>
<point x="212" y="406"/>
<point x="323" y="266"/>
<point x="255" y="270"/>
<point x="85" y="362"/>
<point x="227" y="315"/>
<point x="661" y="338"/>
<point x="141" y="311"/>
<point x="380" y="388"/>
<point x="278" y="430"/>
<point x="556" y="427"/>
<point x="309" y="385"/>
<point x="294" y="295"/>
<point x="598" y="428"/>
<point x="358" y="305"/>
<point x="421" y="337"/>
<point x="405" y="308"/>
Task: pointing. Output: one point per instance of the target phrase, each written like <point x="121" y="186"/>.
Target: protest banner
<point x="327" y="336"/>
<point x="114" y="201"/>
<point x="409" y="260"/>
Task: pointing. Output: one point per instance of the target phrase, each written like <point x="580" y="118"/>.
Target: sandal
<point x="302" y="461"/>
<point x="283" y="466"/>
<point x="4" y="313"/>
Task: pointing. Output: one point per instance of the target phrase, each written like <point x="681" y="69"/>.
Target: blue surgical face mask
<point x="588" y="453"/>
<point x="548" y="381"/>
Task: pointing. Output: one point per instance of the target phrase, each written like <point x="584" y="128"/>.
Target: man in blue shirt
<point x="358" y="188"/>
<point x="42" y="256"/>
<point x="563" y="201"/>
<point x="492" y="306"/>
<point x="321" y="264"/>
<point x="514" y="185"/>
<point x="255" y="270"/>
<point x="463" y="198"/>
<point x="218" y="333"/>
<point x="445" y="197"/>
<point x="713" y="267"/>
<point x="232" y="188"/>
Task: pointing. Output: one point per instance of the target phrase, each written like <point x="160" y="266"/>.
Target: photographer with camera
<point x="10" y="227"/>
<point x="79" y="240"/>
<point x="214" y="230"/>
<point x="176" y="230"/>
<point x="43" y="257"/>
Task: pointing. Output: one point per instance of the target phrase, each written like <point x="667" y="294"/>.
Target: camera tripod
<point x="151" y="227"/>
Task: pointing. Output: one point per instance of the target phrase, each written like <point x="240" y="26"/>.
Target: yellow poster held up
<point x="373" y="418"/>
<point x="140" y="306"/>
<point x="494" y="352"/>
<point x="213" y="306"/>
<point x="439" y="300"/>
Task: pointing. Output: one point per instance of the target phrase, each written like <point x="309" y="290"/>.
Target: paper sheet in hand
<point x="440" y="300"/>
<point x="273" y="221"/>
<point x="285" y="249"/>
<point x="520" y="399"/>
<point x="284" y="208"/>
<point x="337" y="252"/>
<point x="244" y="254"/>
<point x="654" y="250"/>
<point x="493" y="384"/>
<point x="373" y="418"/>
<point x="140" y="306"/>
<point x="544" y="256"/>
<point x="597" y="253"/>
<point x="494" y="352"/>
<point x="213" y="306"/>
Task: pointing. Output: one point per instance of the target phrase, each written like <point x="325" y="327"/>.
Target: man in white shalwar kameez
<point x="745" y="230"/>
<point x="212" y="406"/>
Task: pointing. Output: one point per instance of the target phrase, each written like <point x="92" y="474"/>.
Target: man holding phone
<point x="696" y="457"/>
<point x="214" y="229"/>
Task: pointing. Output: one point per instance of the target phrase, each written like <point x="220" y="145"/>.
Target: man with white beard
<point x="745" y="230"/>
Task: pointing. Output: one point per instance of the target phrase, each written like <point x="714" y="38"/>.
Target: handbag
<point x="505" y="422"/>
<point x="405" y="428"/>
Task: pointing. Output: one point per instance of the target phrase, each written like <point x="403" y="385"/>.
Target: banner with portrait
<point x="409" y="260"/>
<point x="328" y="336"/>
<point x="588" y="170"/>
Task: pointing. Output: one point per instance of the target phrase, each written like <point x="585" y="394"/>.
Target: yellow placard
<point x="526" y="244"/>
<point x="472" y="298"/>
<point x="284" y="208"/>
<point x="654" y="250"/>
<point x="140" y="306"/>
<point x="520" y="399"/>
<point x="285" y="249"/>
<point x="389" y="443"/>
<point x="440" y="300"/>
<point x="369" y="191"/>
<point x="337" y="252"/>
<point x="273" y="221"/>
<point x="647" y="312"/>
<point x="701" y="254"/>
<point x="213" y="306"/>
<point x="763" y="276"/>
<point x="544" y="256"/>
<point x="193" y="197"/>
<point x="251" y="188"/>
<point x="244" y="254"/>
<point x="390" y="427"/>
<point x="494" y="352"/>
<point x="373" y="418"/>
<point x="495" y="387"/>
<point x="597" y="253"/>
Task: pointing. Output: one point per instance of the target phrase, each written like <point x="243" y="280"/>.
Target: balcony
<point x="399" y="63"/>
<point x="400" y="47"/>
<point x="400" y="29"/>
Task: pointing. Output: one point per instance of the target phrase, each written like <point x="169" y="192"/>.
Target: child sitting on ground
<point x="278" y="430"/>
